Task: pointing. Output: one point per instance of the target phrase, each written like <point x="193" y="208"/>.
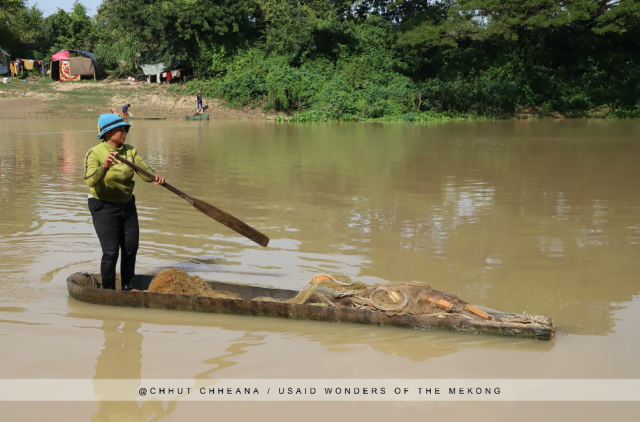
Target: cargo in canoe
<point x="82" y="287"/>
<point x="197" y="117"/>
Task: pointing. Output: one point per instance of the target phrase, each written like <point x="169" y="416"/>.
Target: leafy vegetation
<point x="366" y="59"/>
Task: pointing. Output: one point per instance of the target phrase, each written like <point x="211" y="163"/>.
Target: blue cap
<point x="109" y="121"/>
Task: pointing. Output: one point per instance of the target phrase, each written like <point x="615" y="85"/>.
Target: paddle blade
<point x="231" y="222"/>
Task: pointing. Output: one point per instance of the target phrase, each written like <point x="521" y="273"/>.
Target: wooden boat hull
<point x="200" y="117"/>
<point x="80" y="287"/>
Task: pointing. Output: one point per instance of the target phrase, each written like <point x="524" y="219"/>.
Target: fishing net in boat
<point x="178" y="282"/>
<point x="337" y="290"/>
<point x="412" y="297"/>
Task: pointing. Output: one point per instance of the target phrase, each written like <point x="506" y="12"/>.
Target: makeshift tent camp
<point x="69" y="65"/>
<point x="163" y="71"/>
<point x="154" y="69"/>
<point x="4" y="62"/>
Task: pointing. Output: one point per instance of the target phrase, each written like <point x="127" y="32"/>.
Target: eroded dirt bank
<point x="56" y="100"/>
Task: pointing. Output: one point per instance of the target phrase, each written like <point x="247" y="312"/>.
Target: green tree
<point x="27" y="23"/>
<point x="9" y="37"/>
<point x="185" y="30"/>
<point x="443" y="23"/>
<point x="75" y="30"/>
<point x="8" y="7"/>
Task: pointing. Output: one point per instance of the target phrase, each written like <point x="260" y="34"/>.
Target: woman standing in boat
<point x="111" y="202"/>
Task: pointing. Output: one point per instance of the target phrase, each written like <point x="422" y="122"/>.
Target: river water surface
<point x="535" y="216"/>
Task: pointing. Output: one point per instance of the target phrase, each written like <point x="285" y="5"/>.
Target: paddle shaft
<point x="207" y="209"/>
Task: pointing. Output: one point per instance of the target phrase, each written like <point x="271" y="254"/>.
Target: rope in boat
<point x="95" y="282"/>
<point x="370" y="299"/>
<point x="388" y="290"/>
<point x="329" y="277"/>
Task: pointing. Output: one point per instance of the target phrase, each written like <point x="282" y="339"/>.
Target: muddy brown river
<point x="535" y="216"/>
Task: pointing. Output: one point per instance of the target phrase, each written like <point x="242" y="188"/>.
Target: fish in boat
<point x="85" y="287"/>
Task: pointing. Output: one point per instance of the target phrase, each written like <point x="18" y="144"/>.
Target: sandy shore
<point x="56" y="100"/>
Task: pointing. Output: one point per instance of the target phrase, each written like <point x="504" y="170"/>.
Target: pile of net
<point x="178" y="282"/>
<point x="412" y="297"/>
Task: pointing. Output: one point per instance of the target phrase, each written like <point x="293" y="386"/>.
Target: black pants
<point x="117" y="228"/>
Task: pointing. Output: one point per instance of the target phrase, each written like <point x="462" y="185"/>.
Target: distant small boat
<point x="146" y="118"/>
<point x="197" y="117"/>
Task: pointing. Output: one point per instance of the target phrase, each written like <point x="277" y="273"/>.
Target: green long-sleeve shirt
<point x="114" y="184"/>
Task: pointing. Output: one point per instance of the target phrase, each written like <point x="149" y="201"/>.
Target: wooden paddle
<point x="208" y="209"/>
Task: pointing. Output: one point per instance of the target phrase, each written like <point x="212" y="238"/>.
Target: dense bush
<point x="366" y="59"/>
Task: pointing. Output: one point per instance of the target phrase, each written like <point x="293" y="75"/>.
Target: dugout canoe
<point x="82" y="287"/>
<point x="197" y="117"/>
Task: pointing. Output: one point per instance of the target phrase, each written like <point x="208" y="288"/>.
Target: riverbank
<point x="55" y="100"/>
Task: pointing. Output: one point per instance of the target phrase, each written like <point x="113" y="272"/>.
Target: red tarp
<point x="64" y="55"/>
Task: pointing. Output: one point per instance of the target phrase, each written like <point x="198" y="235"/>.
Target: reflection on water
<point x="414" y="345"/>
<point x="122" y="351"/>
<point x="121" y="358"/>
<point x="237" y="348"/>
<point x="532" y="216"/>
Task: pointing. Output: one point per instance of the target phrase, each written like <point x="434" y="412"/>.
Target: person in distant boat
<point x="111" y="201"/>
<point x="199" y="102"/>
<point x="125" y="111"/>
